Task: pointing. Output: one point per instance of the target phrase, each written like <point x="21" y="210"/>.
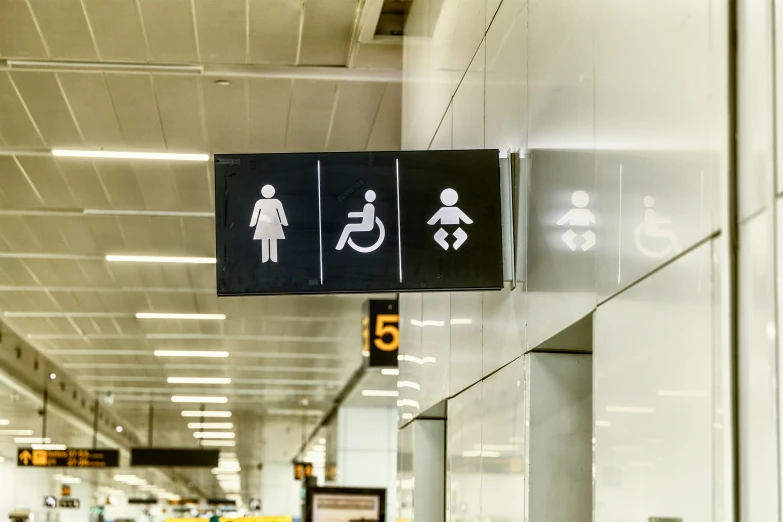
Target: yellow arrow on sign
<point x="25" y="457"/>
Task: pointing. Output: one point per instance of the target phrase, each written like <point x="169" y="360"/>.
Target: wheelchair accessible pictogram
<point x="450" y="215"/>
<point x="367" y="224"/>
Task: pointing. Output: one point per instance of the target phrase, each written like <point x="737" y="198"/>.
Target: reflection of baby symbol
<point x="450" y="215"/>
<point x="579" y="217"/>
<point x="269" y="220"/>
<point x="369" y="220"/>
<point x="651" y="227"/>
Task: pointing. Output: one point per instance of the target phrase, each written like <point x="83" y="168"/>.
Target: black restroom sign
<point x="358" y="222"/>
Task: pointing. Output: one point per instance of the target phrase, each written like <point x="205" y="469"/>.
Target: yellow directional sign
<point x="70" y="458"/>
<point x="25" y="457"/>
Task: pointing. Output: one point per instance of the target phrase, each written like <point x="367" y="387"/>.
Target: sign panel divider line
<point x="399" y="227"/>
<point x="320" y="234"/>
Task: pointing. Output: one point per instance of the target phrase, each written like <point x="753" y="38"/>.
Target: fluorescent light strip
<point x="422" y="324"/>
<point x="20" y="433"/>
<point x="188" y="353"/>
<point x="380" y="393"/>
<point x="32" y="440"/>
<point x="198" y="380"/>
<point x="294" y="412"/>
<point x="105" y="67"/>
<point x="218" y="443"/>
<point x="210" y="426"/>
<point x="408" y="384"/>
<point x="4" y="422"/>
<point x="147" y="213"/>
<point x="206" y="414"/>
<point x="161" y="259"/>
<point x="214" y="435"/>
<point x="461" y="321"/>
<point x="205" y="317"/>
<point x="210" y="400"/>
<point x="117" y="154"/>
<point x="390" y="371"/>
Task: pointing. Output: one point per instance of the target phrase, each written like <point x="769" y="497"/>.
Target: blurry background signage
<point x="381" y="333"/>
<point x="69" y="503"/>
<point x="302" y="470"/>
<point x="358" y="222"/>
<point x="174" y="457"/>
<point x="70" y="458"/>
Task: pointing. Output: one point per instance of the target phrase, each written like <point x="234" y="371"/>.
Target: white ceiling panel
<point x="181" y="111"/>
<point x="274" y="31"/>
<point x="16" y="188"/>
<point x="327" y="31"/>
<point x="222" y="30"/>
<point x="387" y="132"/>
<point x="44" y="99"/>
<point x="226" y="111"/>
<point x="137" y="109"/>
<point x="89" y="190"/>
<point x="117" y="29"/>
<point x="312" y="106"/>
<point x="16" y="127"/>
<point x="194" y="185"/>
<point x="119" y="180"/>
<point x="65" y="29"/>
<point x="48" y="181"/>
<point x="88" y="96"/>
<point x="270" y="102"/>
<point x="199" y="239"/>
<point x="19" y="37"/>
<point x="170" y="31"/>
<point x="357" y="107"/>
<point x="47" y="232"/>
<point x="158" y="187"/>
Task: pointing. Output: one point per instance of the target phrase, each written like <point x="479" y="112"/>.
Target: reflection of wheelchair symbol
<point x="654" y="227"/>
<point x="369" y="220"/>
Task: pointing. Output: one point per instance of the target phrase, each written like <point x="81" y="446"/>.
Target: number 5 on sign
<point x="387" y="325"/>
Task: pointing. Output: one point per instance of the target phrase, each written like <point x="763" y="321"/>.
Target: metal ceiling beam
<point x="292" y="72"/>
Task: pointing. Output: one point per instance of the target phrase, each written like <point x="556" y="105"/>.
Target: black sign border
<point x="226" y="164"/>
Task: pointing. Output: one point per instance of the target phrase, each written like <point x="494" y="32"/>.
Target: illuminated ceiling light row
<point x="118" y="154"/>
<point x="198" y="380"/>
<point x="161" y="259"/>
<point x="189" y="353"/>
<point x="191" y="399"/>
<point x="380" y="393"/>
<point x="210" y="426"/>
<point x="218" y="443"/>
<point x="205" y="317"/>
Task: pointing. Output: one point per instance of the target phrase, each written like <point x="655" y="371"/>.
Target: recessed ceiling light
<point x="219" y="443"/>
<point x="322" y="441"/>
<point x="210" y="425"/>
<point x="222" y="82"/>
<point x="198" y="380"/>
<point x="390" y="371"/>
<point x="52" y="376"/>
<point x="211" y="400"/>
<point x="205" y="414"/>
<point x="214" y="435"/>
<point x="119" y="429"/>
<point x="380" y="393"/>
<point x="189" y="353"/>
<point x="161" y="259"/>
<point x="116" y="154"/>
<point x="205" y="317"/>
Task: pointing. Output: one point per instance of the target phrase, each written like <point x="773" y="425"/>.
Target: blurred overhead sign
<point x="70" y="458"/>
<point x="302" y="470"/>
<point x="381" y="333"/>
<point x="358" y="222"/>
<point x="174" y="457"/>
